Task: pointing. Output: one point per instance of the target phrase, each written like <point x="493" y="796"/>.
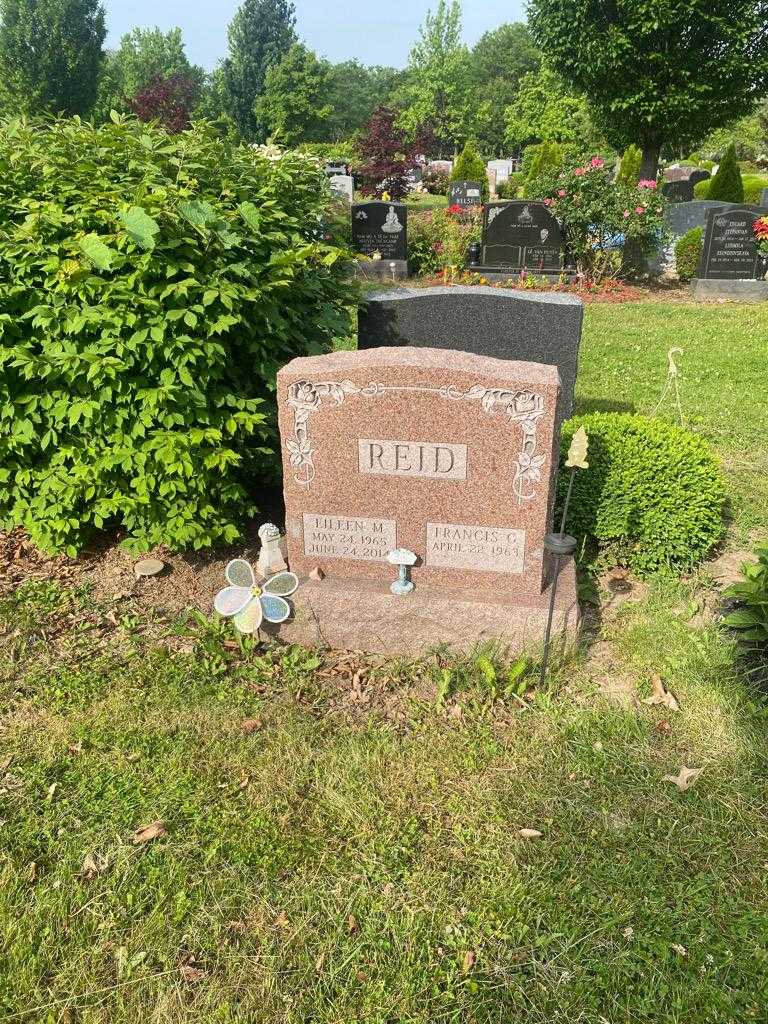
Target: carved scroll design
<point x="524" y="408"/>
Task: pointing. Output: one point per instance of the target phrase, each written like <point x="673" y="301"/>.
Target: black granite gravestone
<point x="536" y="327"/>
<point x="730" y="250"/>
<point x="678" y="191"/>
<point x="380" y="227"/>
<point x="465" y="194"/>
<point x="697" y="176"/>
<point x="520" y="235"/>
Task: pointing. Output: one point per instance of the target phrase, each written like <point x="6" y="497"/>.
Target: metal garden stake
<point x="561" y="545"/>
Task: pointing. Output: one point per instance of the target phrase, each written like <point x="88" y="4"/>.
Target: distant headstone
<point x="382" y="228"/>
<point x="730" y="250"/>
<point x="491" y="176"/>
<point x="465" y="194"/>
<point x="682" y="217"/>
<point x="503" y="169"/>
<point x="335" y="168"/>
<point x="520" y="235"/>
<point x="445" y="166"/>
<point x="697" y="176"/>
<point x="537" y="327"/>
<point x="448" y="455"/>
<point x="678" y="191"/>
<point x="343" y="185"/>
<point x="676" y="173"/>
<point x="764" y="197"/>
<point x="414" y="177"/>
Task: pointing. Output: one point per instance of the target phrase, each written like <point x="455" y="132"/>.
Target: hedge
<point x="150" y="287"/>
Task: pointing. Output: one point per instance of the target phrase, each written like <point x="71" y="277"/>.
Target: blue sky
<point x="373" y="31"/>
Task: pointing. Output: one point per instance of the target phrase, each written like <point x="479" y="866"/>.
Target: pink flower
<point x="561" y="192"/>
<point x="639" y="209"/>
<point x="626" y="213"/>
<point x="579" y="171"/>
<point x="547" y="202"/>
<point x="597" y="162"/>
<point x="646" y="183"/>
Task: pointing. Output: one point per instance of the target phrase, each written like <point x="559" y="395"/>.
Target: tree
<point x="499" y="61"/>
<point x="143" y="57"/>
<point x="438" y="90"/>
<point x="50" y="54"/>
<point x="629" y="168"/>
<point x="260" y="35"/>
<point x="387" y="154"/>
<point x="546" y="111"/>
<point x="658" y="71"/>
<point x="354" y="92"/>
<point x="727" y="185"/>
<point x="291" y="107"/>
<point x="166" y="100"/>
<point x="469" y="166"/>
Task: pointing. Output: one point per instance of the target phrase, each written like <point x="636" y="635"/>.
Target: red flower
<point x="455" y="208"/>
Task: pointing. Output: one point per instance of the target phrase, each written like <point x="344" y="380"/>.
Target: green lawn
<point x="355" y="855"/>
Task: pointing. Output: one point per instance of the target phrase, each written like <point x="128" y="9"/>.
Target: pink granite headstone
<point x="448" y="454"/>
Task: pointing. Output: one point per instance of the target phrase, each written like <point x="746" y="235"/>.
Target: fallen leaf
<point x="5" y="764"/>
<point x="191" y="974"/>
<point x="93" y="864"/>
<point x="529" y="833"/>
<point x="316" y="574"/>
<point x="319" y="963"/>
<point x="661" y="695"/>
<point x="148" y="832"/>
<point x="352" y="926"/>
<point x="361" y="976"/>
<point x="111" y="617"/>
<point x="685" y="778"/>
<point x="455" y="711"/>
<point x="51" y="792"/>
<point x="282" y="921"/>
<point x="75" y="748"/>
<point x="664" y="726"/>
<point x="680" y="950"/>
<point x="250" y="725"/>
<point x="468" y="962"/>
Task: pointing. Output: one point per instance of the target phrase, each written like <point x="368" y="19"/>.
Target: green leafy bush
<point x="435" y="182"/>
<point x="653" y="492"/>
<point x="629" y="168"/>
<point x="469" y="166"/>
<point x="543" y="160"/>
<point x="438" y="239"/>
<point x="507" y="189"/>
<point x="751" y="617"/>
<point x="150" y="287"/>
<point x="726" y="185"/>
<point x="331" y="152"/>
<point x="688" y="253"/>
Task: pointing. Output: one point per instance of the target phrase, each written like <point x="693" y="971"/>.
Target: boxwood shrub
<point x="688" y="253"/>
<point x="150" y="288"/>
<point x="653" y="493"/>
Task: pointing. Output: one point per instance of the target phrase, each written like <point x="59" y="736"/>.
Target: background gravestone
<point x="465" y="194"/>
<point x="343" y="185"/>
<point x="536" y="327"/>
<point x="697" y="176"/>
<point x="414" y="177"/>
<point x="730" y="250"/>
<point x="521" y="235"/>
<point x="764" y="197"/>
<point x="334" y="168"/>
<point x="380" y="227"/>
<point x="678" y="191"/>
<point x="682" y="217"/>
<point x="503" y="169"/>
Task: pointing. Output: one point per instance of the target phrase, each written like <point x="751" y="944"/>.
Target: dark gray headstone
<point x="678" y="191"/>
<point x="335" y="167"/>
<point x="465" y="194"/>
<point x="380" y="227"/>
<point x="681" y="217"/>
<point x="521" y="235"/>
<point x="730" y="250"/>
<point x="697" y="176"/>
<point x="536" y="327"/>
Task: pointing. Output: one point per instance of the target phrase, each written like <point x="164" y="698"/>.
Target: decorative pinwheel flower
<point x="249" y="602"/>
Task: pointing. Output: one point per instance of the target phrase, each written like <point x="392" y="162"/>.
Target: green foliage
<point x="749" y="135"/>
<point x="544" y="159"/>
<point x="753" y="188"/>
<point x="291" y="108"/>
<point x="354" y="92"/>
<point x="688" y="253"/>
<point x="260" y="34"/>
<point x="751" y="617"/>
<point x="653" y="492"/>
<point x="629" y="169"/>
<point x="437" y="90"/>
<point x="470" y="166"/>
<point x="544" y="110"/>
<point x="657" y="73"/>
<point x="436" y="182"/>
<point x="500" y="58"/>
<point x="151" y="287"/>
<point x="438" y="239"/>
<point x="508" y="189"/>
<point x="142" y="56"/>
<point x="726" y="185"/>
<point x="50" y="54"/>
<point x="331" y="152"/>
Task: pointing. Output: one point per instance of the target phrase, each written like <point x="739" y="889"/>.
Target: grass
<point x="332" y="866"/>
<point x="623" y="366"/>
<point x="361" y="861"/>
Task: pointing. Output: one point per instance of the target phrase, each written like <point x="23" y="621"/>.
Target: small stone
<point x="317" y="574"/>
<point x="148" y="567"/>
